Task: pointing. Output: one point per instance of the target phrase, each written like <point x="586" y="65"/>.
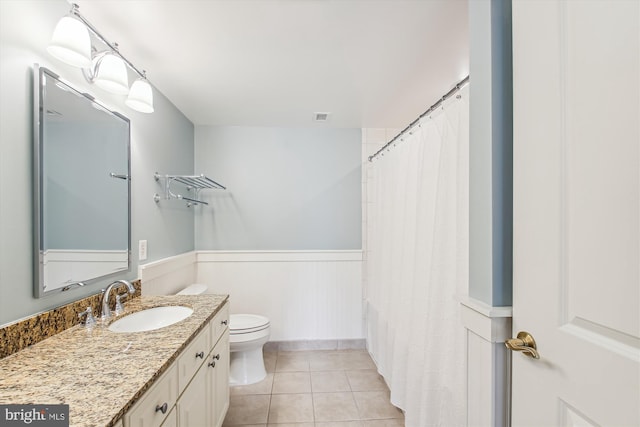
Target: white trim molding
<point x="278" y="256"/>
<point x="488" y="363"/>
<point x="62" y="267"/>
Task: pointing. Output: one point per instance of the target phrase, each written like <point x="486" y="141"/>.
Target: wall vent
<point x="321" y="117"/>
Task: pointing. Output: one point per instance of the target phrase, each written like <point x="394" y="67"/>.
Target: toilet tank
<point x="194" y="289"/>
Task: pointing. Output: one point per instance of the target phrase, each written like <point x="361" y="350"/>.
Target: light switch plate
<point x="142" y="250"/>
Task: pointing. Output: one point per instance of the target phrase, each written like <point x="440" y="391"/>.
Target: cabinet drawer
<point x="193" y="356"/>
<point x="150" y="410"/>
<point x="219" y="324"/>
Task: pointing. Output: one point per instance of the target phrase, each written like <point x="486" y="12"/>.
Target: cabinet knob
<point x="200" y="355"/>
<point x="224" y="322"/>
<point x="162" y="408"/>
<point x="217" y="356"/>
<point x="212" y="364"/>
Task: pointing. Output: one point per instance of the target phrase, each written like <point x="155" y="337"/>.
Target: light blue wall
<point x="490" y="152"/>
<point x="288" y="189"/>
<point x="162" y="141"/>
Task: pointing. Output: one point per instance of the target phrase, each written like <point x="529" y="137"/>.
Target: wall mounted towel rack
<point x="193" y="183"/>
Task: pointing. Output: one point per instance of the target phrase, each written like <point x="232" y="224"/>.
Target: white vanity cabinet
<point x="194" y="391"/>
<point x="206" y="399"/>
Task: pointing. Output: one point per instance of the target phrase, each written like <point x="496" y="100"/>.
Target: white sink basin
<point x="151" y="319"/>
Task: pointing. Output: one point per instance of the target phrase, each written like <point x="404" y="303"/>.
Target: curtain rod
<point x="446" y="96"/>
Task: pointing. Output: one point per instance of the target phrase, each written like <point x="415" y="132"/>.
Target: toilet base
<point x="246" y="367"/>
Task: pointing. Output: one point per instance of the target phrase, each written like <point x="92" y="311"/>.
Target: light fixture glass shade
<point x="140" y="96"/>
<point x="110" y="73"/>
<point x="71" y="43"/>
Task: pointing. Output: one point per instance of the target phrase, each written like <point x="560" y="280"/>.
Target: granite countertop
<point x="100" y="374"/>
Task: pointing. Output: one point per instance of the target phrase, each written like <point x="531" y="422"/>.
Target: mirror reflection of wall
<point x="84" y="187"/>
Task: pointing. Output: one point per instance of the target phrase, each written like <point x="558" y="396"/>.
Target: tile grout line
<point x="353" y="397"/>
<point x="313" y="403"/>
<point x="275" y="367"/>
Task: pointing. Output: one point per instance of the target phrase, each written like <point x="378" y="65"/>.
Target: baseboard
<point x="302" y="345"/>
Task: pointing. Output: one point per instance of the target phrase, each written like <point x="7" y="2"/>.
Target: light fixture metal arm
<point x="114" y="47"/>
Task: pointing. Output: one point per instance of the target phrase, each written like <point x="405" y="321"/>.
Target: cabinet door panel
<point x="193" y="404"/>
<point x="220" y="382"/>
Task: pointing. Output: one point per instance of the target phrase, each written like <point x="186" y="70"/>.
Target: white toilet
<point x="248" y="333"/>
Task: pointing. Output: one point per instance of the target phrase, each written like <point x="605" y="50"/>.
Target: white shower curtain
<point x="417" y="266"/>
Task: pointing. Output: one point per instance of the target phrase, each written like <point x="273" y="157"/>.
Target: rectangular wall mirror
<point x="82" y="187"/>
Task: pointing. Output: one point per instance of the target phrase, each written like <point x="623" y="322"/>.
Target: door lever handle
<point x="525" y="343"/>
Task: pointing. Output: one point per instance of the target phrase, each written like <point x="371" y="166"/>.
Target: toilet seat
<point x="247" y="323"/>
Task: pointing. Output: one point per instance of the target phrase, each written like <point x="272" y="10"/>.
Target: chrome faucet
<point x="106" y="311"/>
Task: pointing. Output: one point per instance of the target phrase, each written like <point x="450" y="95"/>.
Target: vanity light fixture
<point x="141" y="96"/>
<point x="71" y="43"/>
<point x="108" y="72"/>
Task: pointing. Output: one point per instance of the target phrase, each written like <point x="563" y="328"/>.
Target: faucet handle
<point x="119" y="307"/>
<point x="89" y="321"/>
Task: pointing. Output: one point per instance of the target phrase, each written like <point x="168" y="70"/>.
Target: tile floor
<point x="315" y="389"/>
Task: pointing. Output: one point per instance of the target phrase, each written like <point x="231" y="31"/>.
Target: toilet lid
<point x="245" y="323"/>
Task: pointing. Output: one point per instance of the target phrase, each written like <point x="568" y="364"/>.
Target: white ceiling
<point x="371" y="63"/>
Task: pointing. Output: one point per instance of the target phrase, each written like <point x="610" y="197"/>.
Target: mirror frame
<point x="38" y="216"/>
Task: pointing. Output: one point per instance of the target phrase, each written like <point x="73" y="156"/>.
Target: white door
<point x="576" y="212"/>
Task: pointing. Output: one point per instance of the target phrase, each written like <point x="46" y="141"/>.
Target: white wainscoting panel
<point x="168" y="275"/>
<point x="62" y="267"/>
<point x="488" y="363"/>
<point x="307" y="295"/>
